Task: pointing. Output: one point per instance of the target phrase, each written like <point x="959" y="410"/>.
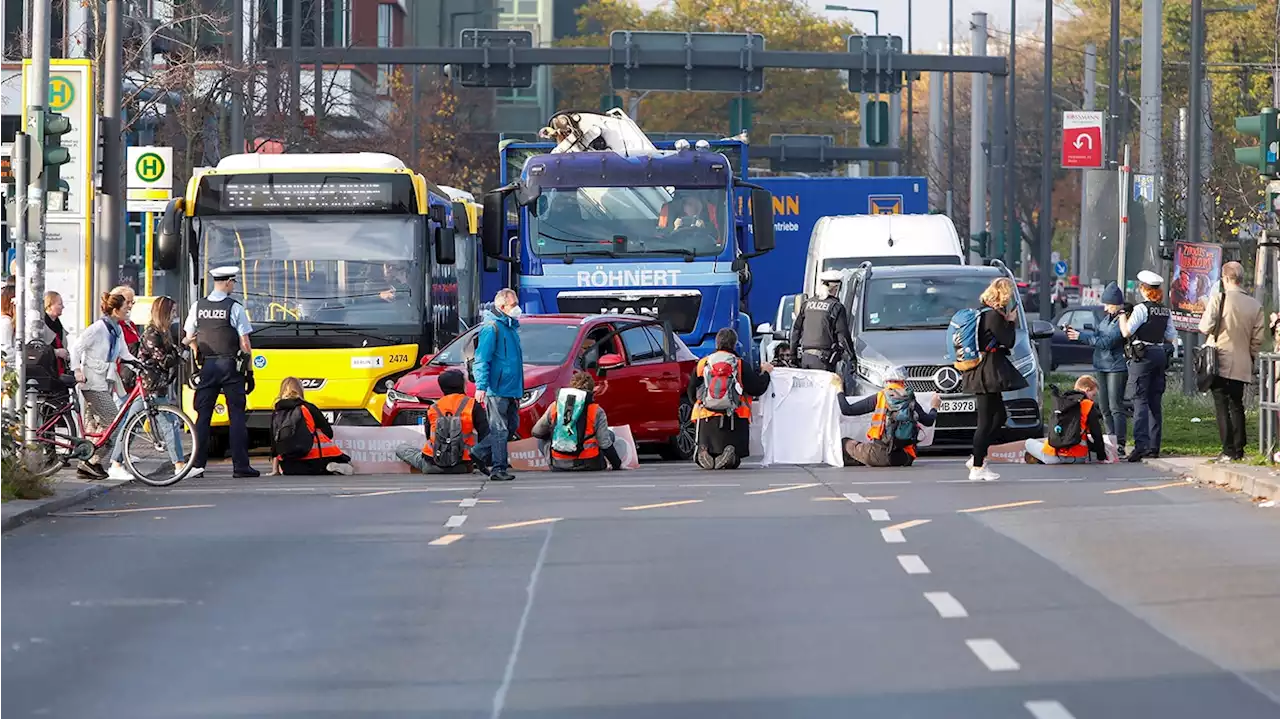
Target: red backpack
<point x="721" y="390"/>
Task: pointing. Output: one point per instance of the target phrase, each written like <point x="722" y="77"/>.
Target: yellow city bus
<point x="346" y="272"/>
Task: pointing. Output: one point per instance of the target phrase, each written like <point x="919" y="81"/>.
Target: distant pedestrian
<point x="132" y="337"/>
<point x="722" y="388"/>
<point x="1149" y="332"/>
<point x="99" y="350"/>
<point x="1110" y="365"/>
<point x="301" y="436"/>
<point x="55" y="333"/>
<point x="1235" y="324"/>
<point x="499" y="379"/>
<point x="995" y="374"/>
<point x="160" y="355"/>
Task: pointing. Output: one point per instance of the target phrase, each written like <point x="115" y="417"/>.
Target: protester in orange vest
<point x="301" y="437"/>
<point x="893" y="442"/>
<point x="1075" y="430"/>
<point x="722" y="388"/>
<point x="581" y="446"/>
<point x="455" y="423"/>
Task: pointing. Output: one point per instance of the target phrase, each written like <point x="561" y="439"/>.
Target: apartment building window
<point x="336" y="23"/>
<point x="386" y="19"/>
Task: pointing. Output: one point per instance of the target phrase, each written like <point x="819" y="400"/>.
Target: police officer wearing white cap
<point x="820" y="334"/>
<point x="1149" y="332"/>
<point x="219" y="328"/>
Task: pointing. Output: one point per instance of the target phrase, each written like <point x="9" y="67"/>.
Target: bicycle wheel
<point x="55" y="444"/>
<point x="158" y="445"/>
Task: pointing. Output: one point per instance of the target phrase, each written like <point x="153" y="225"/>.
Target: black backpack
<point x="447" y="440"/>
<point x="291" y="438"/>
<point x="1066" y="428"/>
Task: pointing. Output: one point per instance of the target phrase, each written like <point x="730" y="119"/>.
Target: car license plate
<point x="958" y="405"/>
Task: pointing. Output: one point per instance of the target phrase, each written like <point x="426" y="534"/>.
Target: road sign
<point x="1144" y="188"/>
<point x="633" y="67"/>
<point x="1082" y="139"/>
<point x="1055" y="257"/>
<point x="70" y="94"/>
<point x="150" y="178"/>
<point x="1060" y="268"/>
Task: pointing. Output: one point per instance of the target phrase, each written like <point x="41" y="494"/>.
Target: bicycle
<point x="64" y="437"/>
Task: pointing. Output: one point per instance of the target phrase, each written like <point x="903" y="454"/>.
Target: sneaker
<point x="1135" y="456"/>
<point x="118" y="471"/>
<point x="969" y="462"/>
<point x="502" y="475"/>
<point x="703" y="458"/>
<point x="976" y="474"/>
<point x="91" y="470"/>
<point x="726" y="458"/>
<point x="342" y="468"/>
<point x="195" y="472"/>
<point x="246" y="473"/>
<point x="988" y="475"/>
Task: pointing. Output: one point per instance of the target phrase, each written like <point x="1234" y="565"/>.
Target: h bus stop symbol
<point x="149" y="168"/>
<point x="61" y="93"/>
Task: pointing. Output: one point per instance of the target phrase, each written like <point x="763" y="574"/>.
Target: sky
<point x="930" y="17"/>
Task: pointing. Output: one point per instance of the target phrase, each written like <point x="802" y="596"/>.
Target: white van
<point x="841" y="242"/>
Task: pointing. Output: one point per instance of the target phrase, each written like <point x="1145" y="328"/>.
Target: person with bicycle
<point x="219" y="328"/>
<point x="160" y="355"/>
<point x="101" y="346"/>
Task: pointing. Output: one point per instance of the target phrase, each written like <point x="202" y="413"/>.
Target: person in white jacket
<point x="100" y="346"/>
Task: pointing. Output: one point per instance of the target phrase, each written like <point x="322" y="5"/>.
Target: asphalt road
<point x="1084" y="592"/>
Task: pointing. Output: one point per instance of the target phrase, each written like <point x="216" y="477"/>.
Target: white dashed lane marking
<point x="856" y="498"/>
<point x="990" y="653"/>
<point x="878" y="515"/>
<point x="948" y="606"/>
<point x="893" y="536"/>
<point x="455" y="521"/>
<point x="913" y="564"/>
<point x="1048" y="709"/>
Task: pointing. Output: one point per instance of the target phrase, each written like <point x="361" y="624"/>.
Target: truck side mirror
<point x="762" y="220"/>
<point x="446" y="248"/>
<point x="493" y="226"/>
<point x="168" y="249"/>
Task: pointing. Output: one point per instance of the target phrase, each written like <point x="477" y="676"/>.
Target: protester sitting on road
<point x="895" y="426"/>
<point x="1110" y="365"/>
<point x="722" y="388"/>
<point x="574" y="432"/>
<point x="455" y="424"/>
<point x="1077" y="428"/>
<point x="301" y="436"/>
<point x="782" y="356"/>
<point x="97" y="354"/>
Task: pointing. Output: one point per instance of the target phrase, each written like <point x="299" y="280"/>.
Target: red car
<point x="642" y="372"/>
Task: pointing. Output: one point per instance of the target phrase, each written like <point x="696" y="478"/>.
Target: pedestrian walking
<point x="219" y="329"/>
<point x="722" y="388"/>
<point x="994" y="373"/>
<point x="161" y="355"/>
<point x="1235" y="324"/>
<point x="499" y="379"/>
<point x="301" y="436"/>
<point x="98" y="352"/>
<point x="820" y="334"/>
<point x="1110" y="365"/>
<point x="1149" y="334"/>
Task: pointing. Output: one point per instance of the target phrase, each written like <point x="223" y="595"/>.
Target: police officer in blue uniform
<point x="1149" y="334"/>
<point x="219" y="328"/>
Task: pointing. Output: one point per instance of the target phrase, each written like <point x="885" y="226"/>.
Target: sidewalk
<point x="69" y="489"/>
<point x="1258" y="482"/>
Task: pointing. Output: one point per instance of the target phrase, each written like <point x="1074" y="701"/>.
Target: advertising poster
<point x="1196" y="269"/>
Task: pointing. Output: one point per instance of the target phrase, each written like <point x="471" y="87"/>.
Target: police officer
<point x="1149" y="334"/>
<point x="219" y="329"/>
<point x="820" y="335"/>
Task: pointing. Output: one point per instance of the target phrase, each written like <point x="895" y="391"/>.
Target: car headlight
<point x="395" y="397"/>
<point x="532" y="395"/>
<point x="1026" y="364"/>
<point x="872" y="372"/>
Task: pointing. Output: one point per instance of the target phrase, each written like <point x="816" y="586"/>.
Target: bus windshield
<point x="617" y="221"/>
<point x="338" y="270"/>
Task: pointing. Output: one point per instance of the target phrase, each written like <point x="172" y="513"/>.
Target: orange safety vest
<point x="1082" y="449"/>
<point x="323" y="446"/>
<point x="700" y="412"/>
<point x="590" y="447"/>
<point x="449" y="404"/>
<point x="878" y="423"/>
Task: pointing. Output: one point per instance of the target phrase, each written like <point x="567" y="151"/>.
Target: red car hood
<point x="425" y="381"/>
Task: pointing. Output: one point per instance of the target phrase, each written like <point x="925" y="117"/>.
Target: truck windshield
<point x="338" y="270"/>
<point x="616" y="221"/>
<point x="905" y="303"/>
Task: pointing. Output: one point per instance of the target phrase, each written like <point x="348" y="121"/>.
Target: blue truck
<point x="798" y="202"/>
<point x="665" y="233"/>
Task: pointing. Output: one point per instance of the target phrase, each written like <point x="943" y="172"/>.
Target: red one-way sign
<point x="1082" y="139"/>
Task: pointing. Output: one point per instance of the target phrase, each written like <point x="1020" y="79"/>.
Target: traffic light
<point x="1265" y="127"/>
<point x="55" y="155"/>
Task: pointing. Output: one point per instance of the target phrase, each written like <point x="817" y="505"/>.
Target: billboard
<point x="1196" y="270"/>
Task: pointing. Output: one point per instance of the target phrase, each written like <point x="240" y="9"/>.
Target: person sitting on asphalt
<point x="722" y="388"/>
<point x="894" y="431"/>
<point x="455" y="423"/>
<point x="301" y="436"/>
<point x="1078" y="428"/>
<point x="574" y="432"/>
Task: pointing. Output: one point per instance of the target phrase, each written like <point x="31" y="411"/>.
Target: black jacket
<point x="1094" y="429"/>
<point x="754" y="383"/>
<point x="996" y="372"/>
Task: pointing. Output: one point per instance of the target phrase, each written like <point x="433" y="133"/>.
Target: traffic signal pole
<point x="34" y="213"/>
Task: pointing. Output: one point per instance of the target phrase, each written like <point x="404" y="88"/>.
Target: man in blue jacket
<point x="499" y="378"/>
<point x="1110" y="365"/>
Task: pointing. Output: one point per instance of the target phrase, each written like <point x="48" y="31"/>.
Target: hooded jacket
<point x="499" y="362"/>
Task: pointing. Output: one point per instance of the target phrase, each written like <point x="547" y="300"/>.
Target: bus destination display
<point x="329" y="196"/>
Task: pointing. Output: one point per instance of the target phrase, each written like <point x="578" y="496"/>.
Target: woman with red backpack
<point x="722" y="388"/>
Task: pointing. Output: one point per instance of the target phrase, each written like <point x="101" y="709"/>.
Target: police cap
<point x="830" y="276"/>
<point x="1150" y="279"/>
<point x="228" y="272"/>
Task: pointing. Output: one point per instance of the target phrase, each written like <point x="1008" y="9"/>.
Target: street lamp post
<point x="843" y="8"/>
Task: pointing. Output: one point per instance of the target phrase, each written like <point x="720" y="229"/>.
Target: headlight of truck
<point x="532" y="395"/>
<point x="394" y="397"/>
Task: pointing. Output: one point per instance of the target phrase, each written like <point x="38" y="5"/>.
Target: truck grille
<point x="679" y="307"/>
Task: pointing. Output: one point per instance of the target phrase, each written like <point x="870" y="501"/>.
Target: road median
<point x="1258" y="482"/>
<point x="67" y="491"/>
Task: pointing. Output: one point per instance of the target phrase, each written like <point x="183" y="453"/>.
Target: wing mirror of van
<point x="1041" y="330"/>
<point x="764" y="329"/>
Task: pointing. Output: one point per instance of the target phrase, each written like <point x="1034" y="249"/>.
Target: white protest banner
<point x="373" y="449"/>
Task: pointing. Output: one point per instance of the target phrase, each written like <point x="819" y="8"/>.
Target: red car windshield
<point x="542" y="343"/>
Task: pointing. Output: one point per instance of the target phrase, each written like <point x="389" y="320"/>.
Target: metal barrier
<point x="1269" y="405"/>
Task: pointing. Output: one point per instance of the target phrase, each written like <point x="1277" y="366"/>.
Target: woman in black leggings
<point x="995" y="374"/>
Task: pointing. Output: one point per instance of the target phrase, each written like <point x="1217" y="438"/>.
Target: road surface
<point x="1084" y="592"/>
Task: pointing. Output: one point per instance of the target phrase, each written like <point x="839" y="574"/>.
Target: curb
<point x="44" y="507"/>
<point x="1241" y="478"/>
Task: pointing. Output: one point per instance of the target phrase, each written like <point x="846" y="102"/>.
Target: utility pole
<point x="1196" y="115"/>
<point x="937" y="198"/>
<point x="295" y="75"/>
<point x="111" y="224"/>
<point x="1206" y="160"/>
<point x="1150" y="159"/>
<point x="237" y="77"/>
<point x="1113" y="92"/>
<point x="1046" y="176"/>
<point x="1081" y="258"/>
<point x="978" y="134"/>
<point x="416" y="93"/>
<point x="951" y="110"/>
<point x="911" y="116"/>
<point x="22" y="176"/>
<point x="34" y="249"/>
<point x="1012" y="245"/>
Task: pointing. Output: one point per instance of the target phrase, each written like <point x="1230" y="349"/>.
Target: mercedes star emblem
<point x="947" y="379"/>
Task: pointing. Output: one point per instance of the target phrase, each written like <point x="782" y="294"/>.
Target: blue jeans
<point x="504" y="419"/>
<point x="1114" y="407"/>
<point x="1146" y="391"/>
<point x="175" y="436"/>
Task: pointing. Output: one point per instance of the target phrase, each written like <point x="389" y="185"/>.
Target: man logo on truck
<point x="644" y="311"/>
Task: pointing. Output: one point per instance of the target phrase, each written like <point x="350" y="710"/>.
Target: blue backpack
<point x="962" y="348"/>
